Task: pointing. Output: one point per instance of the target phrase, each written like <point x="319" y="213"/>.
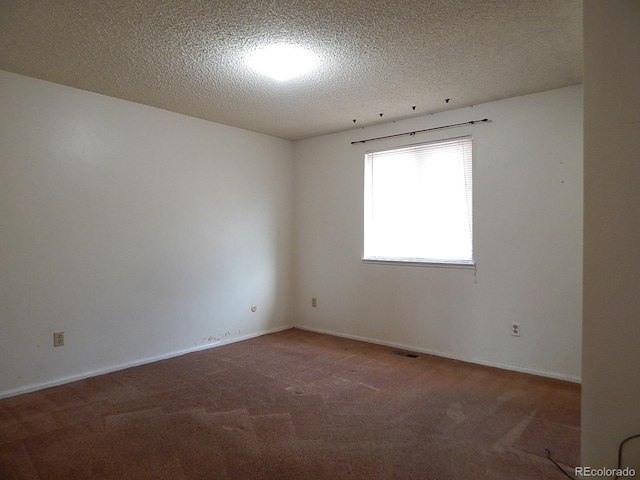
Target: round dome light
<point x="282" y="62"/>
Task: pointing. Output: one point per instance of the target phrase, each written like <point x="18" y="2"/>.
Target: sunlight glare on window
<point x="418" y="203"/>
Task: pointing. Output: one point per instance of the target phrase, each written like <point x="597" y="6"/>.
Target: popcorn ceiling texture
<point x="187" y="56"/>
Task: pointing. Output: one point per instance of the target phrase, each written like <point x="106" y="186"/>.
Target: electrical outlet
<point x="58" y="339"/>
<point x="515" y="329"/>
<point x="314" y="302"/>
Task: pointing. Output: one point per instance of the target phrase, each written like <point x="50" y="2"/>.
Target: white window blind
<point x="419" y="203"/>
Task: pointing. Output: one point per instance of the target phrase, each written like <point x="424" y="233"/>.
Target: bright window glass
<point x="418" y="203"/>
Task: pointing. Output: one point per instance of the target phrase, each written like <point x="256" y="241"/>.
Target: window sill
<point x="414" y="262"/>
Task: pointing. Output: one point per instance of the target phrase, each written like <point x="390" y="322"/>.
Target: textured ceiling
<point x="377" y="56"/>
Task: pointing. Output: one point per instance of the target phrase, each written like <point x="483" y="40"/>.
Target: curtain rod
<point x="472" y="122"/>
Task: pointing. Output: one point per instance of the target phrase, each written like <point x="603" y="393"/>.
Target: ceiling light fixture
<point x="282" y="62"/>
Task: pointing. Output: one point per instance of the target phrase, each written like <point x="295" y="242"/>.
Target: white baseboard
<point x="114" y="368"/>
<point x="515" y="368"/>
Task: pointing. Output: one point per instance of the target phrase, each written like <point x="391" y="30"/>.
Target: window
<point x="418" y="203"/>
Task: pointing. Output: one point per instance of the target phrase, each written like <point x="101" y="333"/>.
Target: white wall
<point x="611" y="344"/>
<point x="138" y="232"/>
<point x="528" y="242"/>
<point x="142" y="233"/>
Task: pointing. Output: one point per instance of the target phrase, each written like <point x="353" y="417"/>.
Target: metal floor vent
<point x="406" y="354"/>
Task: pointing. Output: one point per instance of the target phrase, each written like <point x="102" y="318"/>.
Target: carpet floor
<point x="294" y="405"/>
